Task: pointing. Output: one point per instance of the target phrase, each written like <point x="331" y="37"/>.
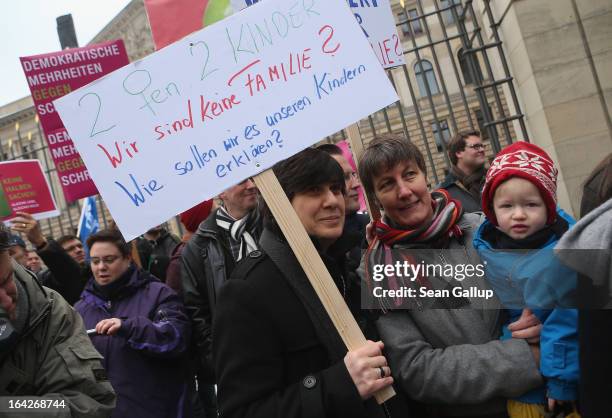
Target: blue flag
<point x="88" y="222"/>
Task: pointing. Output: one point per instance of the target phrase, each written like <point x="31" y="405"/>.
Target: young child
<point x="516" y="244"/>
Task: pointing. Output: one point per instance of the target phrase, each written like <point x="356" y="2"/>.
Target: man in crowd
<point x="155" y="249"/>
<point x="229" y="234"/>
<point x="466" y="177"/>
<point x="65" y="258"/>
<point x="34" y="262"/>
<point x="73" y="247"/>
<point x="44" y="350"/>
<point x="17" y="250"/>
<point x="354" y="221"/>
<point x="36" y="266"/>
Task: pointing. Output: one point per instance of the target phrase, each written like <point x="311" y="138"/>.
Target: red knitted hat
<point x="527" y="161"/>
<point x="193" y="217"/>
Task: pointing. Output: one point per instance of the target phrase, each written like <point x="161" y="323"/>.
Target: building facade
<point x="537" y="70"/>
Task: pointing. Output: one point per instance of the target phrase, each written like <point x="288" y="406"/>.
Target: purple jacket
<point x="145" y="360"/>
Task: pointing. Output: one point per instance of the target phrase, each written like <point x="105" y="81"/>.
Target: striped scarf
<point x="435" y="233"/>
<point x="442" y="225"/>
<point x="243" y="233"/>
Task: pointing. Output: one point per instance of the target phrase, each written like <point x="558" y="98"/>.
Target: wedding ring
<point x="23" y="225"/>
<point x="382" y="372"/>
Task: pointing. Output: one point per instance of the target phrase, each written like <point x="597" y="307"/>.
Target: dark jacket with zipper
<point x="155" y="254"/>
<point x="207" y="263"/>
<point x="458" y="191"/>
<point x="53" y="359"/>
<point x="277" y="353"/>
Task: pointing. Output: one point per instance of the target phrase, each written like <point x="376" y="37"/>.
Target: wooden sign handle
<point x="313" y="266"/>
<point x="354" y="138"/>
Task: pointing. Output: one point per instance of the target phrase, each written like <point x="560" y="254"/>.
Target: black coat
<point x="65" y="275"/>
<point x="206" y="263"/>
<point x="458" y="191"/>
<point x="155" y="255"/>
<point x="277" y="354"/>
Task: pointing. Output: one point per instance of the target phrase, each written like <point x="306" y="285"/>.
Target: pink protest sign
<point x="346" y="151"/>
<point x="25" y="189"/>
<point x="171" y="20"/>
<point x="71" y="170"/>
<point x="56" y="74"/>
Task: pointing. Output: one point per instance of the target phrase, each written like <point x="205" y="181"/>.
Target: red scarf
<point x="434" y="233"/>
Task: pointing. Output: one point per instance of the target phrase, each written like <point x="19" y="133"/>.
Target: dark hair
<point x="303" y="171"/>
<point x="111" y="236"/>
<point x="385" y="152"/>
<point x="457" y="144"/>
<point x="598" y="186"/>
<point x="331" y="149"/>
<point x="65" y="238"/>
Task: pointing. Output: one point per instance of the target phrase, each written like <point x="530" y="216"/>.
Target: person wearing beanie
<point x="443" y="349"/>
<point x="516" y="244"/>
<point x="17" y="250"/>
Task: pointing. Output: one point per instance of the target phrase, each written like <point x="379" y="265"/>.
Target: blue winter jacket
<point x="145" y="360"/>
<point x="536" y="279"/>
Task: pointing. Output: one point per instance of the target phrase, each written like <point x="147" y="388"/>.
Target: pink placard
<point x="25" y="189"/>
<point x="54" y="75"/>
<point x="171" y="20"/>
<point x="72" y="172"/>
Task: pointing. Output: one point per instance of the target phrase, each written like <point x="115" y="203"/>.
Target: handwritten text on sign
<point x="377" y="23"/>
<point x="180" y="126"/>
<point x="376" y="20"/>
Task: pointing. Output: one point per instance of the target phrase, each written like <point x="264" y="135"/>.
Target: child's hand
<point x="527" y="327"/>
<point x="552" y="403"/>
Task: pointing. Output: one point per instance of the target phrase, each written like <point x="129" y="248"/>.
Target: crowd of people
<point x="225" y="322"/>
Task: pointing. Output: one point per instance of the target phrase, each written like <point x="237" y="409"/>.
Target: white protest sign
<point x="377" y="23"/>
<point x="376" y="20"/>
<point x="162" y="134"/>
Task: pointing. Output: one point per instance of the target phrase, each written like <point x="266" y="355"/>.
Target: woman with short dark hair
<point x="277" y="352"/>
<point x="443" y="351"/>
<point x="139" y="325"/>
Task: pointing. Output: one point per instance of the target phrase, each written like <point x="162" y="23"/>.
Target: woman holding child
<point x="444" y="353"/>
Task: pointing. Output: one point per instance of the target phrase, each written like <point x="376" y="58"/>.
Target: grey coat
<point x="587" y="247"/>
<point x="452" y="359"/>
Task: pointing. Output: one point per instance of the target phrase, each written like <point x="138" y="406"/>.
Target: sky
<point x="29" y="28"/>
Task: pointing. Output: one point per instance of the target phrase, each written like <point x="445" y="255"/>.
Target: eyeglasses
<point x="476" y="146"/>
<point x="107" y="260"/>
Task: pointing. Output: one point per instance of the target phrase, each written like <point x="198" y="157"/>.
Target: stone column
<point x="560" y="52"/>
